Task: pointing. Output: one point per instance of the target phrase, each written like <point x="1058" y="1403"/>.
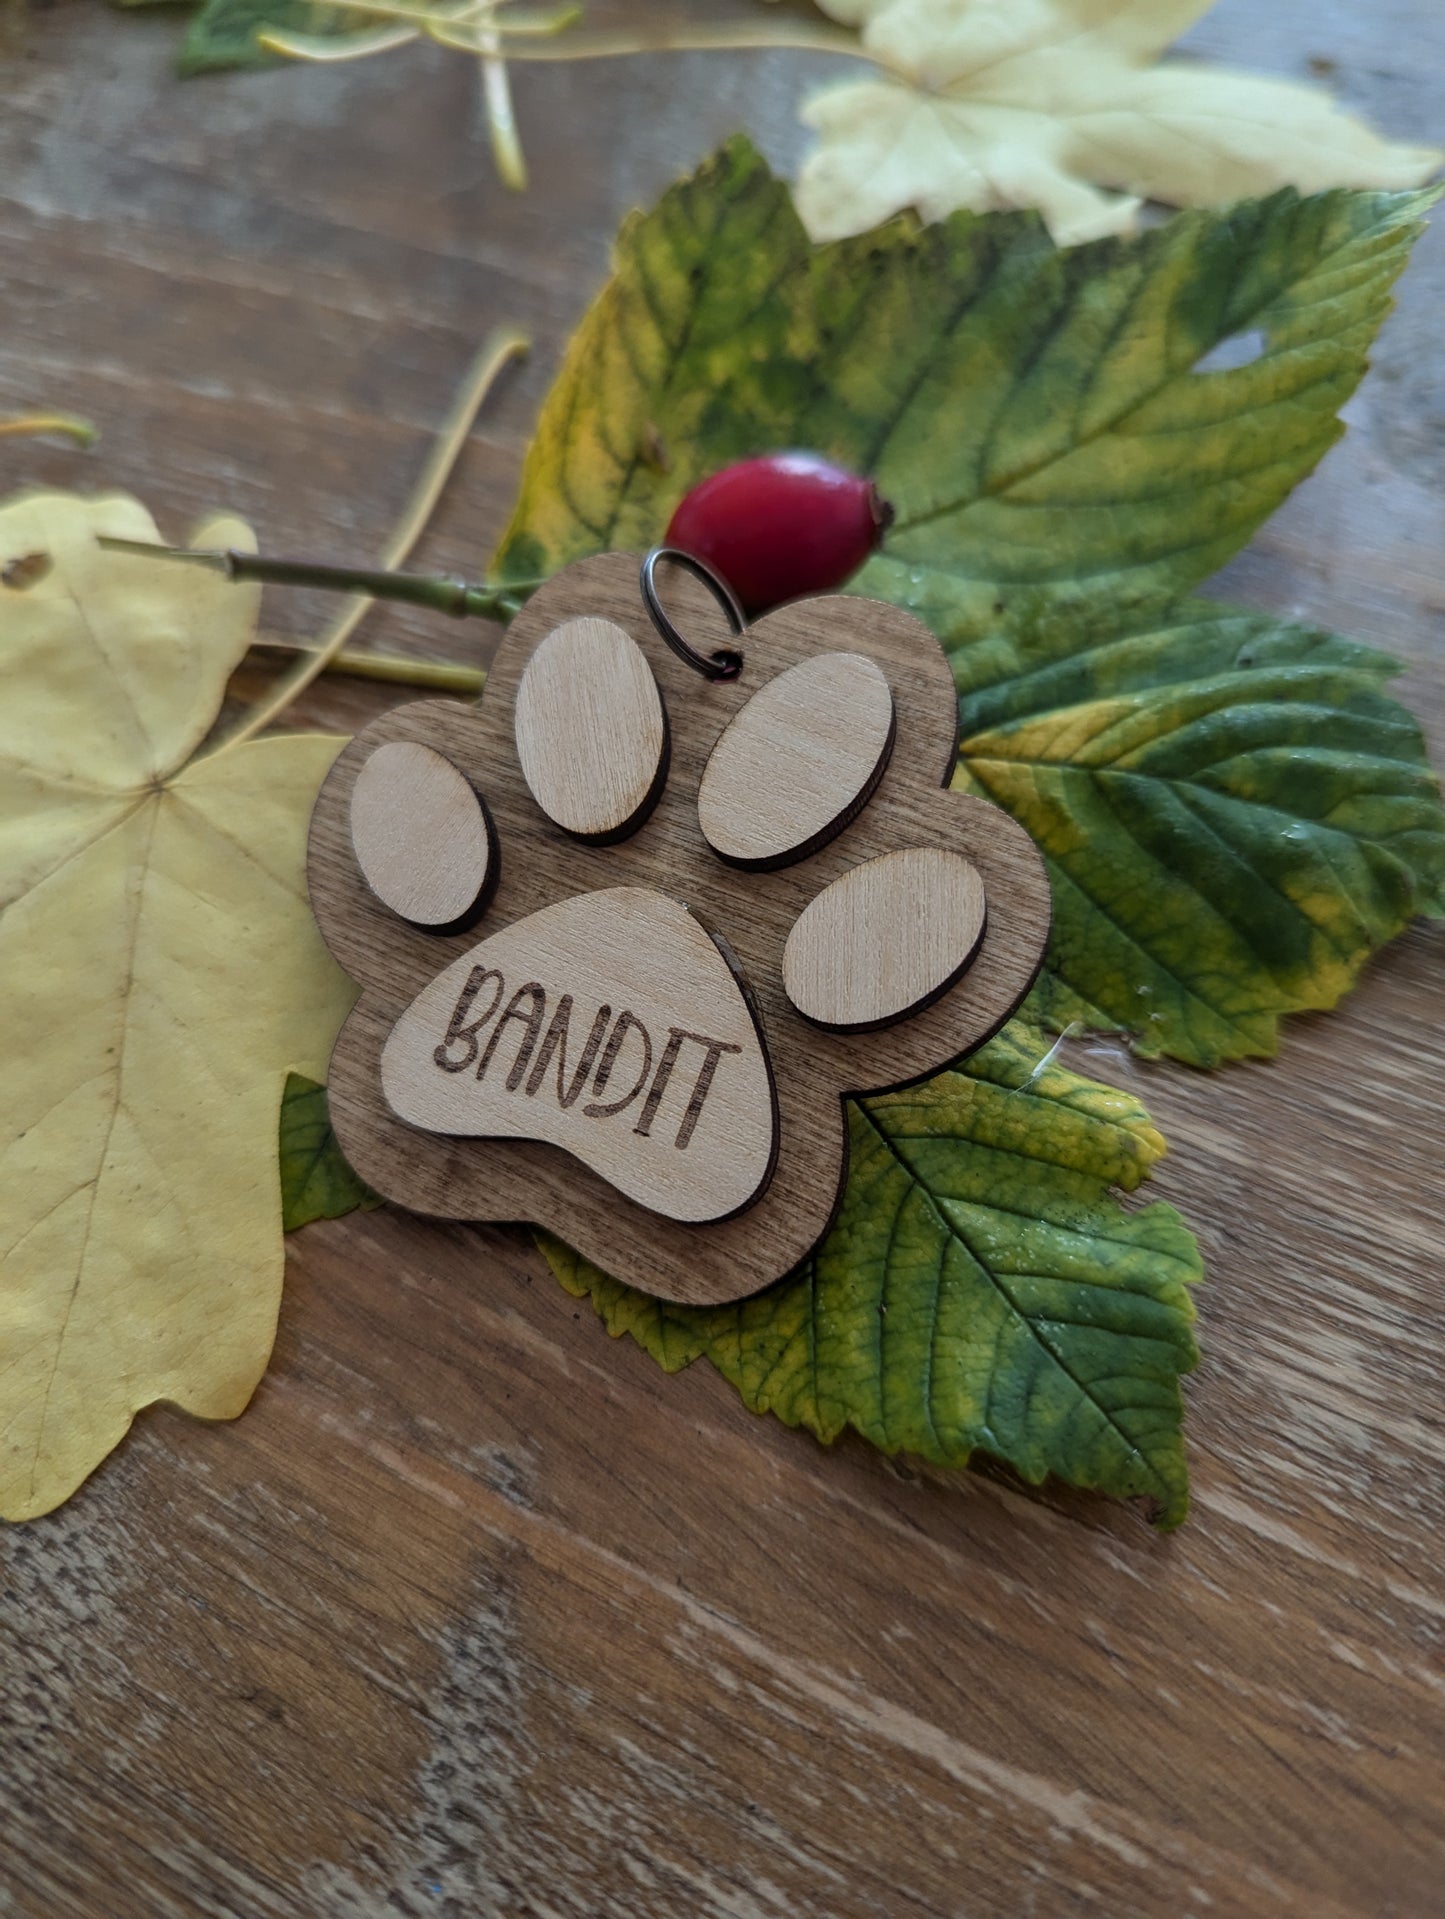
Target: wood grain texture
<point x="754" y="912"/>
<point x="798" y="762"/>
<point x="611" y="1025"/>
<point x="475" y="1613"/>
<point x="886" y="938"/>
<point x="420" y="836"/>
<point x="590" y="730"/>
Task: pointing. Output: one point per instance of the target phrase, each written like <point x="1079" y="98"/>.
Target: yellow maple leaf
<point x="159" y="974"/>
<point x="1046" y="103"/>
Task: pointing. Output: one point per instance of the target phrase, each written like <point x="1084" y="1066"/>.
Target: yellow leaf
<point x="1056" y="104"/>
<point x="160" y="975"/>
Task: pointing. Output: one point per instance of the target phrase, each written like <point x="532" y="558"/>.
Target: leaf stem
<point x="547" y="36"/>
<point x="70" y="424"/>
<point x="331" y="50"/>
<point x="441" y="676"/>
<point x="738" y="38"/>
<point x="499" y="349"/>
<point x="477" y="30"/>
<point x="507" y="153"/>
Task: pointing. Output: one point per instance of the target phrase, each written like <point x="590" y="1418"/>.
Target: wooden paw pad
<point x="655" y="1075"/>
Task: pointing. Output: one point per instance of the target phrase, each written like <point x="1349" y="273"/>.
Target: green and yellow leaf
<point x="160" y="974"/>
<point x="981" y="1289"/>
<point x="1235" y="813"/>
<point x="1036" y="416"/>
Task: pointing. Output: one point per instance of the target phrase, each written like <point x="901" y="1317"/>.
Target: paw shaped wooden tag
<point x="626" y="934"/>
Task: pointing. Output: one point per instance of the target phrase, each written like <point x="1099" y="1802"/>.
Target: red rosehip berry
<point x="781" y="526"/>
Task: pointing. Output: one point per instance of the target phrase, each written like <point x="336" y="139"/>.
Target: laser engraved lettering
<point x="616" y="1006"/>
<point x="626" y="1023"/>
<point x="457" y="1029"/>
<point x="532" y="1022"/>
<point x="555" y="1040"/>
<point x="675" y="1037"/>
<point x="715" y="1048"/>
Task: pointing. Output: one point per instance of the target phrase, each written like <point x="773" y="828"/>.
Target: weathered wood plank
<point x="476" y="1612"/>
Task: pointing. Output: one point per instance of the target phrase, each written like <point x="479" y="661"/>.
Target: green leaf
<point x="1235" y="814"/>
<point x="1033" y="414"/>
<point x="981" y="1289"/>
<point x="701" y="307"/>
<point x="316" y="1182"/>
<point x="223" y="33"/>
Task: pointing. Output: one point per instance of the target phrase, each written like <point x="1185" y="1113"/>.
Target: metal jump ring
<point x="724" y="664"/>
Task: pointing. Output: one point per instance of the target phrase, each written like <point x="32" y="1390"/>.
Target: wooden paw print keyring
<point x="629" y="930"/>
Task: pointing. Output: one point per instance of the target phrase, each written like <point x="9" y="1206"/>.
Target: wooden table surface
<point x="477" y="1613"/>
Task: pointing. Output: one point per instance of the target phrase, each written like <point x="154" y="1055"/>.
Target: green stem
<point x="507" y="153"/>
<point x="621" y="45"/>
<point x="69" y="424"/>
<point x="439" y="676"/>
<point x="439" y="594"/>
<point x="501" y="347"/>
<point x="434" y="591"/>
<point x="320" y="51"/>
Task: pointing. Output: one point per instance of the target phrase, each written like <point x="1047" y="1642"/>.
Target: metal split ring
<point x="726" y="662"/>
